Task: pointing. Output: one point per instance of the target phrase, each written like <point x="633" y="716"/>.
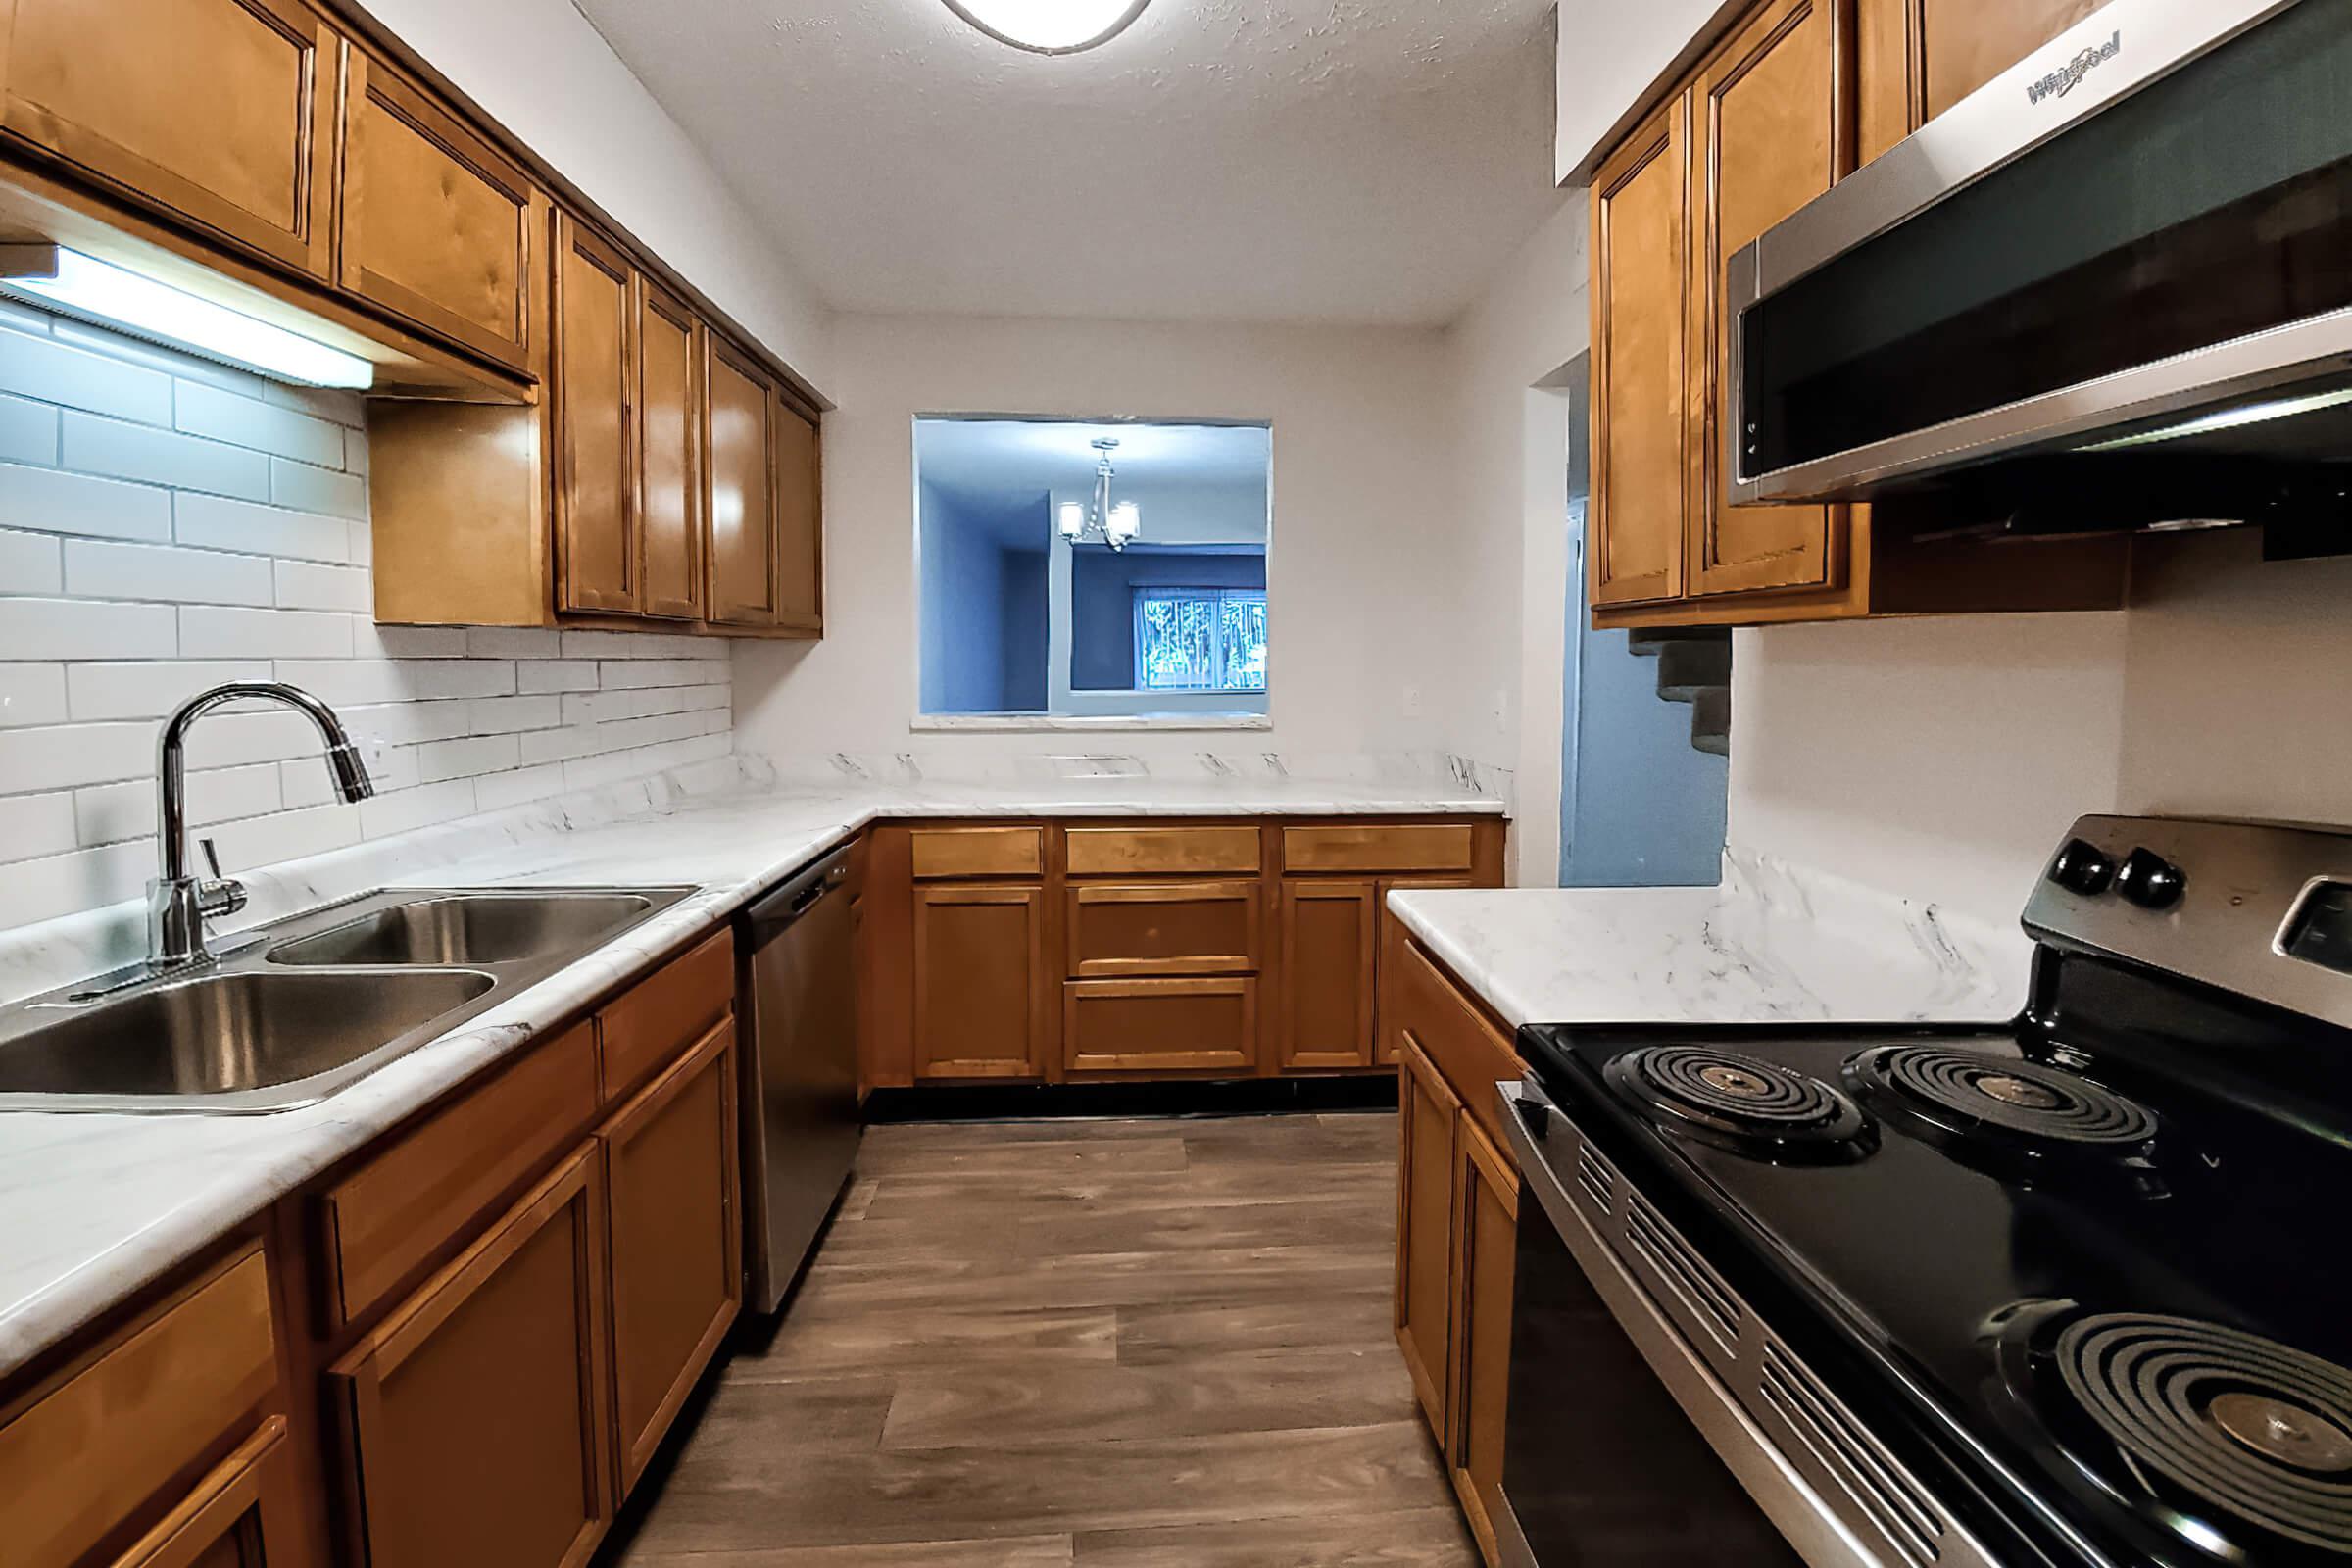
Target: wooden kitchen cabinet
<point x="1161" y="1027"/>
<point x="595" y="509"/>
<point x="668" y="492"/>
<point x="670" y="1165"/>
<point x="438" y="225"/>
<point x="1486" y="1225"/>
<point x="800" y="529"/>
<point x="980" y="1008"/>
<point x="475" y="1426"/>
<point x="236" y="1517"/>
<point x="1328" y="944"/>
<point x="739" y="497"/>
<point x="131" y="92"/>
<point x="1429" y="1117"/>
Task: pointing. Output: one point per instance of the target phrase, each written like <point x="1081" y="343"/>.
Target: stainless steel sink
<point x="230" y="1034"/>
<point x="303" y="1007"/>
<point x="469" y="928"/>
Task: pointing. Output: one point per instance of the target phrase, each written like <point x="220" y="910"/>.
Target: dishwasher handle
<point x="797" y="897"/>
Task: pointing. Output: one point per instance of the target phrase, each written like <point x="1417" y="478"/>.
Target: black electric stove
<point x="2080" y="1287"/>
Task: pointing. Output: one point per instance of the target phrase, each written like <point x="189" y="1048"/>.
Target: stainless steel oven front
<point x="2136" y="242"/>
<point x="1653" y="1417"/>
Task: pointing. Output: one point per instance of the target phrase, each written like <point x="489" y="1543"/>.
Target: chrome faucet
<point x="179" y="904"/>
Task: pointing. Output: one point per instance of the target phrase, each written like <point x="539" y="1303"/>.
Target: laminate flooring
<point x="1077" y="1344"/>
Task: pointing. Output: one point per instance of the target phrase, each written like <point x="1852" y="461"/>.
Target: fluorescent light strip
<point x="2228" y="419"/>
<point x="104" y="292"/>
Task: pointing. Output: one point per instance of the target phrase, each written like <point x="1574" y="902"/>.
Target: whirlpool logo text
<point x="2058" y="84"/>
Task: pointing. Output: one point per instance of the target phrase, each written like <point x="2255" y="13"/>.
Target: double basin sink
<point x="305" y="1007"/>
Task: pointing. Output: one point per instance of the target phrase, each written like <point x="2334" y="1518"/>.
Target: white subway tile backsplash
<point x="106" y="568"/>
<point x="75" y="628"/>
<point x="218" y="523"/>
<point x="308" y="585"/>
<point x="30" y="563"/>
<point x="168" y="524"/>
<point x="73" y="377"/>
<point x="149" y="690"/>
<point x="79" y="504"/>
<point x="123" y="450"/>
<point x="32" y="694"/>
<point x="27" y="431"/>
<point x="312" y="489"/>
<point x="244" y="422"/>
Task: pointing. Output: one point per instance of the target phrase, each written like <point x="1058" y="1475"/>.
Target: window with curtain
<point x="1201" y="639"/>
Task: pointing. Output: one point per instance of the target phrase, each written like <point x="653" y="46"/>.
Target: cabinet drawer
<point x="958" y="851"/>
<point x="386" y="1218"/>
<point x="671" y="1009"/>
<point x="1161" y="851"/>
<point x="1467" y="1048"/>
<point x="1160" y="1026"/>
<point x="1423" y="846"/>
<point x="1164" y="928"/>
<point x="93" y="1450"/>
<point x="240" y="1515"/>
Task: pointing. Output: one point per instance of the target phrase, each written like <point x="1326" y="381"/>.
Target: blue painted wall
<point x="1025" y="595"/>
<point x="1102" y="587"/>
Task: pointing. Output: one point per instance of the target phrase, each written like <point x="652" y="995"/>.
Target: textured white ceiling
<point x="1357" y="160"/>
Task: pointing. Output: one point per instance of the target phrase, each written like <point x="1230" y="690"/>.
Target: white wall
<point x="550" y="78"/>
<point x="168" y="524"/>
<point x="1363" y="521"/>
<point x="1943" y="758"/>
<point x="1612" y="54"/>
<point x="1509" y="564"/>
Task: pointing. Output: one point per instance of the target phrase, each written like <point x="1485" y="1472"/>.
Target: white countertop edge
<point x="1038" y="723"/>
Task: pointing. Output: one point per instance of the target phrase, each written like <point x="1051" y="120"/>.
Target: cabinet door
<point x="595" y="501"/>
<point x="1427" y="1186"/>
<point x="739" y="497"/>
<point x="438" y="225"/>
<point x="134" y="92"/>
<point x="1640" y="386"/>
<point x="670" y="455"/>
<point x="476" y="1434"/>
<point x="677" y="1267"/>
<point x="1486" y="1218"/>
<point x="1966" y="44"/>
<point x="238" y="1516"/>
<point x="1328" y="933"/>
<point x="800" y="525"/>
<point x="979" y="982"/>
<point x="1772" y="111"/>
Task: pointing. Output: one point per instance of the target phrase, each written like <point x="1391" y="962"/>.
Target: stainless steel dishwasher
<point x="800" y="1123"/>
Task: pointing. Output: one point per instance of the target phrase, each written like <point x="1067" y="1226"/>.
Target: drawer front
<point x="1160" y="1026"/>
<point x="1164" y="928"/>
<point x="93" y="1450"/>
<point x="1421" y="846"/>
<point x="386" y="1218"/>
<point x="1161" y="851"/>
<point x="644" y="1030"/>
<point x="1462" y="1042"/>
<point x="975" y="852"/>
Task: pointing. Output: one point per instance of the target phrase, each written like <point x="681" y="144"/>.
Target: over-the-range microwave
<point x="2111" y="288"/>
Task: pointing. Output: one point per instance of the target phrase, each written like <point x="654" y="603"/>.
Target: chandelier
<point x="1114" y="524"/>
<point x="1049" y="26"/>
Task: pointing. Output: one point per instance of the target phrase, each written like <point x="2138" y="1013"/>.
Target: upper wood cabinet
<point x="669" y="454"/>
<point x="1641" y="240"/>
<point x="739" y="496"/>
<point x="220" y="112"/>
<point x="438" y="225"/>
<point x="596" y="502"/>
<point x="800" y="526"/>
<point x="1963" y="44"/>
<point x="1773" y="116"/>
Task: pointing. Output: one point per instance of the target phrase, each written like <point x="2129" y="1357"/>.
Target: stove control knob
<point x="2150" y="880"/>
<point x="2083" y="867"/>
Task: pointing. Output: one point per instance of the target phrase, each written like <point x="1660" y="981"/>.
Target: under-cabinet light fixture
<point x="100" y="291"/>
<point x="2227" y="419"/>
<point x="1049" y="26"/>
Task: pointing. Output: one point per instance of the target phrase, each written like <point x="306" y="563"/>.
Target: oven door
<point x="2124" y="267"/>
<point x="1619" y="1444"/>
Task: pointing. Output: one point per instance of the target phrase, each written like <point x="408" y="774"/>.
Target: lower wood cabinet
<point x="236" y="1517"/>
<point x="1429" y="1115"/>
<point x="1486" y="1228"/>
<point x="979" y="983"/>
<point x="1161" y="1027"/>
<point x="670" y="1168"/>
<point x="474" y="1416"/>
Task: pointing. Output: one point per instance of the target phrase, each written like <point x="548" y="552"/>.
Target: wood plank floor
<point x="1109" y="1343"/>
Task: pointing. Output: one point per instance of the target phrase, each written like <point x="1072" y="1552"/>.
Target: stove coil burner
<point x="2243" y="1423"/>
<point x="1746" y="1102"/>
<point x="1977" y="1091"/>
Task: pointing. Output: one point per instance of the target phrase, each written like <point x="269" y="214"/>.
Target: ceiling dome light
<point x="1049" y="26"/>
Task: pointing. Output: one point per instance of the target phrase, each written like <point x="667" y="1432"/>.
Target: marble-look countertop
<point x="1772" y="944"/>
<point x="93" y="1206"/>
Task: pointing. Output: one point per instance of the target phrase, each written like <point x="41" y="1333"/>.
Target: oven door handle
<point x="1788" y="1499"/>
